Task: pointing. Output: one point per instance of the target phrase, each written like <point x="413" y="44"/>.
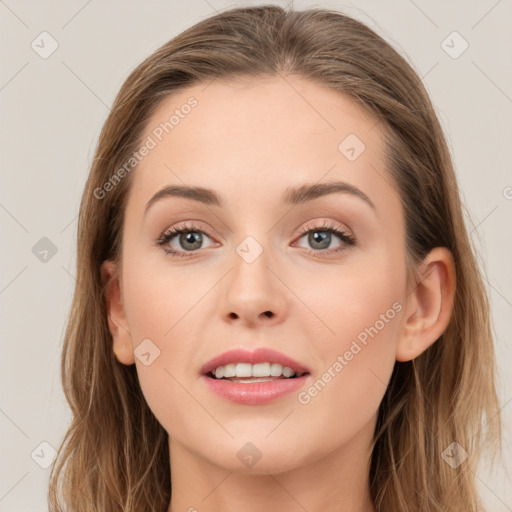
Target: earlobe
<point x="429" y="306"/>
<point x="121" y="337"/>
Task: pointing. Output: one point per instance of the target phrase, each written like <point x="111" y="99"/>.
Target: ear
<point x="122" y="340"/>
<point x="429" y="305"/>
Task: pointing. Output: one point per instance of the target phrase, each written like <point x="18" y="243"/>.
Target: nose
<point x="254" y="293"/>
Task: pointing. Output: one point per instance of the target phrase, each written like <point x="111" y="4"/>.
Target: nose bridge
<point x="253" y="293"/>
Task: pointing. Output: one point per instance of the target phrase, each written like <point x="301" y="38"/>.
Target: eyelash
<point x="348" y="240"/>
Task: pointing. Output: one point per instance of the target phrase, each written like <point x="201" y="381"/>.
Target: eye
<point x="189" y="237"/>
<point x="320" y="237"/>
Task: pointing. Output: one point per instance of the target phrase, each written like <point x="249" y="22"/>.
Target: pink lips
<point x="255" y="392"/>
<point x="260" y="355"/>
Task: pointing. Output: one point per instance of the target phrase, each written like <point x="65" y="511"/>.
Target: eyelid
<point x="189" y="225"/>
<point x="325" y="224"/>
<point x="185" y="226"/>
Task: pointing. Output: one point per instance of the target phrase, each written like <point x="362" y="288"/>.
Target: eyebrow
<point x="292" y="196"/>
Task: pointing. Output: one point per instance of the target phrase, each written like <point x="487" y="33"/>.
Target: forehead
<point x="253" y="139"/>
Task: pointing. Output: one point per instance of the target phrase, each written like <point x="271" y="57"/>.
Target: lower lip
<point x="254" y="393"/>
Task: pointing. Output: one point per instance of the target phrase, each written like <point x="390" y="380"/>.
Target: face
<point x="318" y="277"/>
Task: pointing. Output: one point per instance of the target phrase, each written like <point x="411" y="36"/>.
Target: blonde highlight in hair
<point x="115" y="455"/>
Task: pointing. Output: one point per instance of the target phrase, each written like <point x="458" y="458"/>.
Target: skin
<point x="249" y="142"/>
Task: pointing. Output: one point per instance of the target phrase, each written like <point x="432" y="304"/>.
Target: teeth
<point x="287" y="372"/>
<point x="229" y="370"/>
<point x="243" y="370"/>
<point x="248" y="370"/>
<point x="276" y="370"/>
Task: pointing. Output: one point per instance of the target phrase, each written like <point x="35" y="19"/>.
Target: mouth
<point x="263" y="363"/>
<point x="249" y="373"/>
<point x="252" y="378"/>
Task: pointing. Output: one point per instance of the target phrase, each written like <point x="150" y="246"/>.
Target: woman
<point x="324" y="343"/>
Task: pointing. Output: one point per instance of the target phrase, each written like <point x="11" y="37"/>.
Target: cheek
<point x="361" y="301"/>
<point x="362" y="308"/>
<point x="162" y="309"/>
<point x="160" y="302"/>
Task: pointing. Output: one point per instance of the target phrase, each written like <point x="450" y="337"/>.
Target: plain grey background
<point x="53" y="108"/>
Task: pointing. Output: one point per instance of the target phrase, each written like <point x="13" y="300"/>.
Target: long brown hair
<point x="115" y="456"/>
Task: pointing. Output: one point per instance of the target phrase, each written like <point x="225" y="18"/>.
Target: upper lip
<point x="260" y="355"/>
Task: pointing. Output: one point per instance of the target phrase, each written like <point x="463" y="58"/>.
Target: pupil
<point x="193" y="237"/>
<point x="322" y="237"/>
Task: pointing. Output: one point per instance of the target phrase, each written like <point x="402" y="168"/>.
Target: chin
<point x="259" y="456"/>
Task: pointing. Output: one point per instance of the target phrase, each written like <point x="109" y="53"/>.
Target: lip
<point x="253" y="393"/>
<point x="260" y="355"/>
